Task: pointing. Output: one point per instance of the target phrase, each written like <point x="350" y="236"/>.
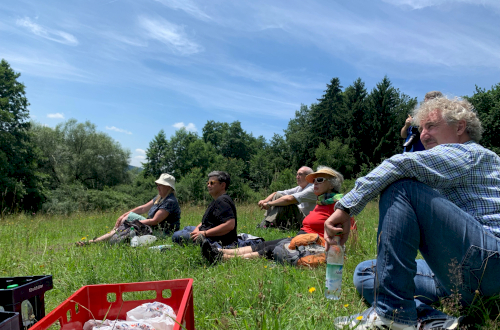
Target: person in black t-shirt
<point x="219" y="222"/>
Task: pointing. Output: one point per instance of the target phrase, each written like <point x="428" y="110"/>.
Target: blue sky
<point x="135" y="67"/>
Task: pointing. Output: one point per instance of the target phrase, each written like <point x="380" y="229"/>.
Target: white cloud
<point x="50" y="34"/>
<point x="116" y="129"/>
<point x="366" y="40"/>
<point x="48" y="65"/>
<point x="188" y="6"/>
<point x="123" y="39"/>
<point x="419" y="4"/>
<point x="140" y="157"/>
<point x="140" y="151"/>
<point x="56" y="115"/>
<point x="170" y="34"/>
<point x="189" y="127"/>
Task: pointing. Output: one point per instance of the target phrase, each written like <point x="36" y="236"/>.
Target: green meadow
<point x="236" y="294"/>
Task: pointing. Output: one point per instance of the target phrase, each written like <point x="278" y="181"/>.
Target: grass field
<point x="237" y="294"/>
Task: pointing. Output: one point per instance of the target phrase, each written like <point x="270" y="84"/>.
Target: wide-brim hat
<point x="166" y="180"/>
<point x="310" y="177"/>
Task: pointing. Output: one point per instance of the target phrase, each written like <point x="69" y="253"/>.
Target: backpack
<point x="306" y="250"/>
<point x="243" y="240"/>
<point x="122" y="233"/>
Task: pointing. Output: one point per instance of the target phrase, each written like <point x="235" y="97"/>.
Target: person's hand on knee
<point x="121" y="220"/>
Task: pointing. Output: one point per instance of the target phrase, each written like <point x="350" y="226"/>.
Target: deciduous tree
<point x="20" y="183"/>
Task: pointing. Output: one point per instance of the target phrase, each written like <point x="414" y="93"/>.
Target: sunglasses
<point x="319" y="180"/>
<point x="211" y="183"/>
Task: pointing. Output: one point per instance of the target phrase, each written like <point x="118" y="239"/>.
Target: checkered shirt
<point x="466" y="174"/>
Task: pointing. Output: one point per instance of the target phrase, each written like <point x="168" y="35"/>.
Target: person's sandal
<point x="82" y="243"/>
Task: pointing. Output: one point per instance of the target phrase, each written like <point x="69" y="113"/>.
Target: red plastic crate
<point x="71" y="314"/>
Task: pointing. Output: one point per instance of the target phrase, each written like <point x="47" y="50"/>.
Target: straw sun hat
<point x="310" y="177"/>
<point x="166" y="180"/>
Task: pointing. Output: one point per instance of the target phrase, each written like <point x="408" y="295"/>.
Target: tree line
<point x="75" y="167"/>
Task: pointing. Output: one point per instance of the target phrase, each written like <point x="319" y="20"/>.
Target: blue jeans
<point x="183" y="236"/>
<point x="459" y="255"/>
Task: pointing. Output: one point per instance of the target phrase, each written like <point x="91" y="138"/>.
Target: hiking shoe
<point x="210" y="252"/>
<point x="369" y="319"/>
<point x="442" y="324"/>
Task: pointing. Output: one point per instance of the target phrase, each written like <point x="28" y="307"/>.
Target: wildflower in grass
<point x="346" y="305"/>
<point x="359" y="318"/>
<point x="83" y="238"/>
<point x="265" y="266"/>
<point x="312" y="289"/>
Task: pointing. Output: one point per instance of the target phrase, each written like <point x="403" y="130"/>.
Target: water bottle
<point x="132" y="233"/>
<point x="334" y="265"/>
<point x="27" y="314"/>
<point x="161" y="247"/>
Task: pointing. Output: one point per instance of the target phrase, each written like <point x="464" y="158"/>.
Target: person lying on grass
<point x="327" y="184"/>
<point x="164" y="213"/>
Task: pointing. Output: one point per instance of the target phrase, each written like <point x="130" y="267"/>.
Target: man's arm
<point x="282" y="201"/>
<point x="264" y="201"/>
<point x="221" y="229"/>
<point x="440" y="167"/>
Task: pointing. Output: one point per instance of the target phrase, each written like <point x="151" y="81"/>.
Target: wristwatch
<point x="339" y="206"/>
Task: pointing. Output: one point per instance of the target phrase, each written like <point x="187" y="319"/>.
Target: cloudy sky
<point x="135" y="67"/>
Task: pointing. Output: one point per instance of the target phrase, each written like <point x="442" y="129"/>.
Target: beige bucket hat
<point x="166" y="180"/>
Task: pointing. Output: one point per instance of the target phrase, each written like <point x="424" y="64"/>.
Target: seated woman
<point x="327" y="183"/>
<point x="164" y="212"/>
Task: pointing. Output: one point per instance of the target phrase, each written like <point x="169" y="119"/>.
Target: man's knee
<point x="277" y="195"/>
<point x="401" y="185"/>
<point x="364" y="277"/>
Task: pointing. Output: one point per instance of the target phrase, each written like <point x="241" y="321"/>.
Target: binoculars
<point x="414" y="137"/>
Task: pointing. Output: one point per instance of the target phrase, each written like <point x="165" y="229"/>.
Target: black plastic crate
<point x="9" y="321"/>
<point x="15" y="290"/>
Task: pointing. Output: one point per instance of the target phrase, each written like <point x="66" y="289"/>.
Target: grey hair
<point x="432" y="95"/>
<point x="453" y="111"/>
<point x="221" y="177"/>
<point x="335" y="181"/>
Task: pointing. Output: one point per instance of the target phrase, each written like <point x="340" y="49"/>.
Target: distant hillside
<point x="135" y="168"/>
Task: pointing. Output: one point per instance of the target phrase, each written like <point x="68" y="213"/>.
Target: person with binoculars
<point x="411" y="133"/>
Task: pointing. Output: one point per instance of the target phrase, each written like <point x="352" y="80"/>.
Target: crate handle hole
<point x="167" y="293"/>
<point x="77" y="309"/>
<point x="68" y="316"/>
<point x="55" y="326"/>
<point x="139" y="295"/>
<point x="111" y="297"/>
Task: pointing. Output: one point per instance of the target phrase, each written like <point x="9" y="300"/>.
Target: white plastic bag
<point x="159" y="315"/>
<point x="142" y="240"/>
<point x="116" y="325"/>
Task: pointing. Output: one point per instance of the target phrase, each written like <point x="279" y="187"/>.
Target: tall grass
<point x="236" y="294"/>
